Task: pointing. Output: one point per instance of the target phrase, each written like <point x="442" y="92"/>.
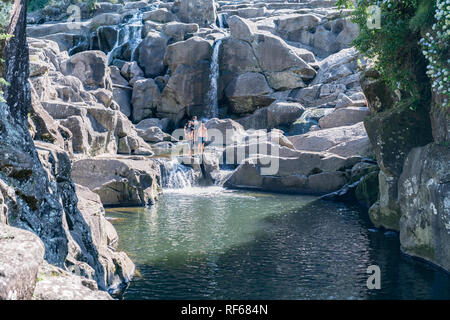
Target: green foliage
<point x="34" y="5"/>
<point x="435" y="45"/>
<point x="5" y="11"/>
<point x="395" y="45"/>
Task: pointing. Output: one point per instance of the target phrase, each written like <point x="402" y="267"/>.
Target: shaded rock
<point x="394" y="132"/>
<point x="424" y="194"/>
<point x="386" y="211"/>
<point x="237" y="56"/>
<point x="150" y="54"/>
<point x="145" y="99"/>
<point x="185" y="92"/>
<point x="247" y="92"/>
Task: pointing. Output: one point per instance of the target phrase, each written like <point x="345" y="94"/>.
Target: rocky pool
<point x="212" y="243"/>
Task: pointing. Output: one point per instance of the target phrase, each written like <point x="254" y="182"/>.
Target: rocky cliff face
<point x="412" y="150"/>
<point x="38" y="195"/>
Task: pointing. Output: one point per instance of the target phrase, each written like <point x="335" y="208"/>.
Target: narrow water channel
<point x="212" y="243"/>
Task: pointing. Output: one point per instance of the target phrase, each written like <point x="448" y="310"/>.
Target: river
<point x="212" y="243"/>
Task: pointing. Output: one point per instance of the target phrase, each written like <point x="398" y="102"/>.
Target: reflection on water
<point x="211" y="243"/>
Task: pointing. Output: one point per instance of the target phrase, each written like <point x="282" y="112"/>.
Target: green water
<point x="210" y="243"/>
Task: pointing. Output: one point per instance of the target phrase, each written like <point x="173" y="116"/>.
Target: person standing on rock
<point x="189" y="135"/>
<point x="196" y="124"/>
<point x="202" y="137"/>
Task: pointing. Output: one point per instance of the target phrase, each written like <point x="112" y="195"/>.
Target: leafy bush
<point x="395" y="46"/>
<point x="5" y="11"/>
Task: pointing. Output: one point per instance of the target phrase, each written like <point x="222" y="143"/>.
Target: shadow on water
<point x="286" y="249"/>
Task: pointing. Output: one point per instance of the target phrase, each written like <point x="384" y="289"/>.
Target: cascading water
<point x="221" y="19"/>
<point x="130" y="32"/>
<point x="175" y="175"/>
<point x="212" y="100"/>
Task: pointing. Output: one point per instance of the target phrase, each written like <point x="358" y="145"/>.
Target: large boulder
<point x="345" y="141"/>
<point x="279" y="113"/>
<point x="308" y="172"/>
<point x="21" y="254"/>
<point x="242" y="29"/>
<point x="150" y="54"/>
<point x="153" y="134"/>
<point x="424" y="196"/>
<point x="202" y="12"/>
<point x="145" y="99"/>
<point x="344" y="117"/>
<point x="247" y="92"/>
<point x="91" y="67"/>
<point x="274" y="55"/>
<point x="237" y="57"/>
<point x="185" y="91"/>
<point x="229" y="130"/>
<point x="178" y="31"/>
<point x="161" y="15"/>
<point x="188" y="52"/>
<point x="124" y="182"/>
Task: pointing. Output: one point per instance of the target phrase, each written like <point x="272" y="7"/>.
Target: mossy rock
<point x="367" y="190"/>
<point x="385" y="217"/>
<point x="393" y="133"/>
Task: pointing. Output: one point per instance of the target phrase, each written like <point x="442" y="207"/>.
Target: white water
<point x="212" y="99"/>
<point x="220" y="17"/>
<point x="132" y="33"/>
<point x="176" y="176"/>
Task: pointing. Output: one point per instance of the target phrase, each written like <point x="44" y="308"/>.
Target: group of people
<point x="196" y="134"/>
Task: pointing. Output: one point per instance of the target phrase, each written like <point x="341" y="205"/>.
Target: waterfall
<point x="132" y="33"/>
<point x="175" y="175"/>
<point x="212" y="99"/>
<point x="220" y="18"/>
